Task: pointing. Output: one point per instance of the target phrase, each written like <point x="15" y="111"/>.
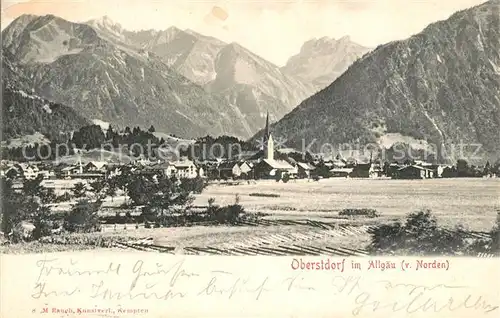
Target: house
<point x="150" y="170"/>
<point x="201" y="172"/>
<point x="165" y="168"/>
<point x="339" y="163"/>
<point x="69" y="171"/>
<point x="47" y="173"/>
<point x="246" y="167"/>
<point x="341" y="172"/>
<point x="141" y="160"/>
<point x="364" y="170"/>
<point x="413" y="172"/>
<point x="424" y="164"/>
<point x="95" y="166"/>
<point x="3" y="169"/>
<point x="113" y="170"/>
<point x="304" y="170"/>
<point x="328" y="164"/>
<point x="271" y="168"/>
<point x="46" y="170"/>
<point x="30" y="171"/>
<point x="208" y="169"/>
<point x="185" y="169"/>
<point x="14" y="171"/>
<point x="438" y="169"/>
<point x="229" y="170"/>
<point x="287" y="151"/>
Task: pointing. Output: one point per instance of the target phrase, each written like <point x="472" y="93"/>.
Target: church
<point x="268" y="167"/>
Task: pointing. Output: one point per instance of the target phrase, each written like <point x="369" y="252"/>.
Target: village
<point x="251" y="168"/>
<point x="267" y="163"/>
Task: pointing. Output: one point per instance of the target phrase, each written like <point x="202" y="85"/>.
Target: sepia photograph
<point x="251" y="128"/>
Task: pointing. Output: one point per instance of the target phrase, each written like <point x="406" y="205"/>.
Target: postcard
<point x="240" y="158"/>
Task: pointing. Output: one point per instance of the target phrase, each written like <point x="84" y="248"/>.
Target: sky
<point x="274" y="29"/>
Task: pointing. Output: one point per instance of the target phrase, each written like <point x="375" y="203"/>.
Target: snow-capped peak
<point x="106" y="23"/>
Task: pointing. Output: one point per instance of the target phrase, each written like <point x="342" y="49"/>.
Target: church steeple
<point x="268" y="144"/>
<point x="267" y="132"/>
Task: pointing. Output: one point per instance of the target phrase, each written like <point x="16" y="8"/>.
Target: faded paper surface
<point x="145" y="285"/>
<point x="111" y="284"/>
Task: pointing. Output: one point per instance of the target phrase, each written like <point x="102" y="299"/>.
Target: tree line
<point x="223" y="147"/>
<point x="163" y="201"/>
<point x="88" y="137"/>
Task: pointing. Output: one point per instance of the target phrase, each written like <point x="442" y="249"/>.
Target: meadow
<point x="471" y="202"/>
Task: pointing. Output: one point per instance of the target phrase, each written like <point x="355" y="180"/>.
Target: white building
<point x="246" y="167"/>
<point x="181" y="169"/>
<point x="31" y="171"/>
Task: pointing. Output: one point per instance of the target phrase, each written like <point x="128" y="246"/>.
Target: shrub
<point x="118" y="217"/>
<point x="421" y="235"/>
<point x="42" y="223"/>
<point x="371" y="213"/>
<point x="83" y="217"/>
<point x="79" y="190"/>
<point x="231" y="214"/>
<point x="195" y="185"/>
<point x="227" y="215"/>
<point x="148" y="214"/>
<point x="495" y="236"/>
<point x="13" y="211"/>
<point x="282" y="208"/>
<point x="270" y="195"/>
<point x="66" y="196"/>
<point x="286" y="178"/>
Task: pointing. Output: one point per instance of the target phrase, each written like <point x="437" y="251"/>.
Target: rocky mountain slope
<point x="26" y="114"/>
<point x="441" y="85"/>
<point x="251" y="84"/>
<point x="255" y="86"/>
<point x="321" y="61"/>
<point x="189" y="53"/>
<point x="104" y="78"/>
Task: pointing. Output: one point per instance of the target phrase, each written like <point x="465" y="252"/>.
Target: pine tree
<point x="487" y="168"/>
<point x="110" y="133"/>
<point x="79" y="190"/>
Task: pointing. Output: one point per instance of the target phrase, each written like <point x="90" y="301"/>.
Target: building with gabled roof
<point x="229" y="170"/>
<point x="304" y="170"/>
<point x="413" y="172"/>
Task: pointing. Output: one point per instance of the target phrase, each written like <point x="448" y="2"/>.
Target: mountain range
<point x="441" y="86"/>
<point x="27" y="115"/>
<point x="249" y="83"/>
<point x="72" y="64"/>
<point x="180" y="81"/>
<point x="321" y="61"/>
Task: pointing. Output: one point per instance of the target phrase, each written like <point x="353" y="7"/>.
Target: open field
<point x="294" y="207"/>
<point x="472" y="202"/>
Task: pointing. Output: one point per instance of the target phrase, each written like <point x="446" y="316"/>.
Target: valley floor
<point x="302" y="216"/>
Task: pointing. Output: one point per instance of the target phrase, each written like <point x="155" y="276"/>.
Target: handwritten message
<point x="139" y="285"/>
